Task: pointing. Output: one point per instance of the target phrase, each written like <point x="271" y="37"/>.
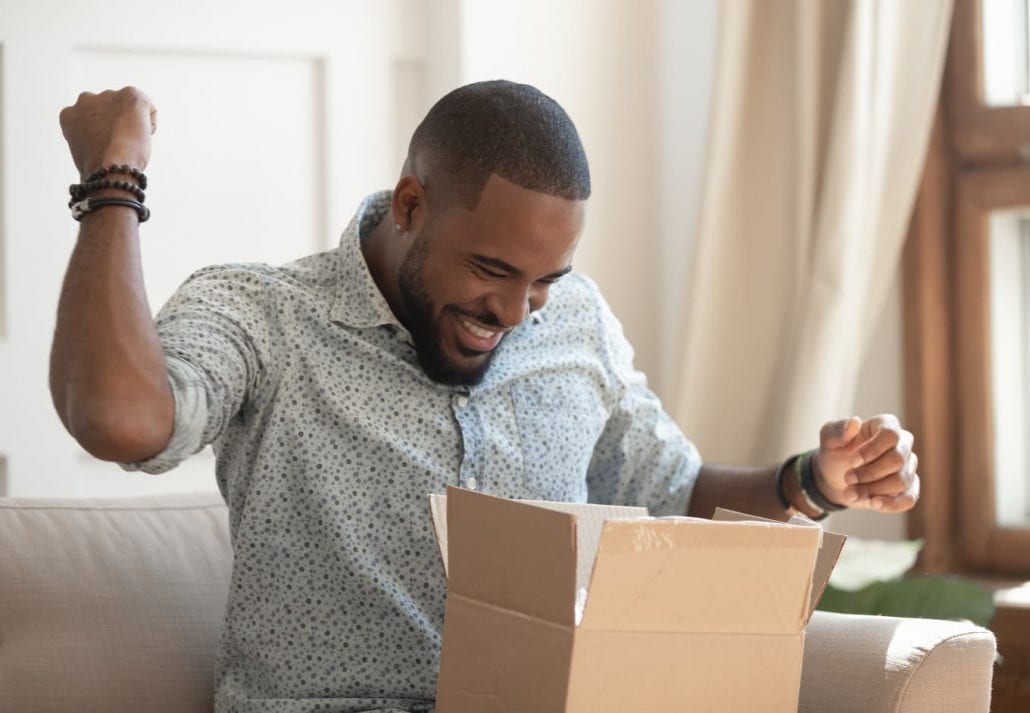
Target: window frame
<point x="978" y="161"/>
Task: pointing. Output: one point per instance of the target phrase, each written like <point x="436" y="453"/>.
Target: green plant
<point x="870" y="579"/>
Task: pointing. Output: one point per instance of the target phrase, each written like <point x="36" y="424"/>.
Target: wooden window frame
<point x="978" y="161"/>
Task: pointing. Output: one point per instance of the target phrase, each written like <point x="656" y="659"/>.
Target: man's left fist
<point x="867" y="464"/>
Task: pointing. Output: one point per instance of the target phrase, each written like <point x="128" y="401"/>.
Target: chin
<point x="447" y="370"/>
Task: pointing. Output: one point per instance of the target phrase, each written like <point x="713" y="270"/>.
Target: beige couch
<point x="115" y="605"/>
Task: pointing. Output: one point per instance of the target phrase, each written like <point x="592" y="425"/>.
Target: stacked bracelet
<point x="88" y="205"/>
<point x="800" y="467"/>
<point x="781" y="493"/>
<point x="122" y="169"/>
<point x="810" y="489"/>
<point x="82" y="204"/>
<point x="79" y="191"/>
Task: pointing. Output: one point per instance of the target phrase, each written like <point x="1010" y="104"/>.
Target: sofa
<point x="115" y="605"/>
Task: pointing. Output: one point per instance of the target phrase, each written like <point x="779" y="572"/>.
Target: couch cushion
<point x="111" y="605"/>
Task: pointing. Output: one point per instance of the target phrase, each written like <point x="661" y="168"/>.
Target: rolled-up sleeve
<point x="214" y="333"/>
<point x="190" y="419"/>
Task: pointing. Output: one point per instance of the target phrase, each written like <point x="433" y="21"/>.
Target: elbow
<point x="122" y="438"/>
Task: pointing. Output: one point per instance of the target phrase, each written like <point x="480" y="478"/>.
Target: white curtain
<point x="821" y="116"/>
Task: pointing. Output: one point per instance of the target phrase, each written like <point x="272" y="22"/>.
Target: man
<point x="446" y="342"/>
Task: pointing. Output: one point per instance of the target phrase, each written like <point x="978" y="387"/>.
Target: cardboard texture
<point x="679" y="613"/>
<point x="829" y="550"/>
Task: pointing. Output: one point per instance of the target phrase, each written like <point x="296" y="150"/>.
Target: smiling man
<point x="447" y="341"/>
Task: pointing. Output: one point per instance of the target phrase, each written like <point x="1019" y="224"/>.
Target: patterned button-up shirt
<point x="329" y="438"/>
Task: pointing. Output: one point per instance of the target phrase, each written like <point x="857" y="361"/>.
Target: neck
<point x="383" y="251"/>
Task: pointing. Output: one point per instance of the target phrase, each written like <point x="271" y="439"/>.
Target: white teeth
<point x="476" y="330"/>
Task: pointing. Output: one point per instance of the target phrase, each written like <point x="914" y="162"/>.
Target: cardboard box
<point x="553" y="607"/>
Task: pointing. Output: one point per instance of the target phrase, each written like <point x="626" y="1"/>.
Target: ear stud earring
<point x="397" y="227"/>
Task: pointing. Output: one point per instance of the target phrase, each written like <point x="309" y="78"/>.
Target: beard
<point x="424" y="328"/>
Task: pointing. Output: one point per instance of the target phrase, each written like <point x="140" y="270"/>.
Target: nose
<point x="513" y="303"/>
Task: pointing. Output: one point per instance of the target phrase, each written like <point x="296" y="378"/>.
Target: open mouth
<point x="475" y="337"/>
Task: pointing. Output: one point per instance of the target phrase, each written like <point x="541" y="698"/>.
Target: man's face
<point x="470" y="277"/>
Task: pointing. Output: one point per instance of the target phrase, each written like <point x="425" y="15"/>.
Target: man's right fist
<point x="112" y="127"/>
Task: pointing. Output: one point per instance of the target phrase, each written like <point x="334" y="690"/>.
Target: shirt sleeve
<point x="215" y="337"/>
<point x="642" y="457"/>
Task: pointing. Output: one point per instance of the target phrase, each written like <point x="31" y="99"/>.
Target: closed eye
<point x="490" y="273"/>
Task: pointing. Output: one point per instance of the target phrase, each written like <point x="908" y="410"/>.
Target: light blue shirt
<point x="329" y="439"/>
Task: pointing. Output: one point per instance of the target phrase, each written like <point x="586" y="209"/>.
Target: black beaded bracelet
<point x="811" y="490"/>
<point x="79" y="191"/>
<point x="125" y="169"/>
<point x="88" y="205"/>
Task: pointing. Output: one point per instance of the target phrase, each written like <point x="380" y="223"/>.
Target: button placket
<point x="471" y="435"/>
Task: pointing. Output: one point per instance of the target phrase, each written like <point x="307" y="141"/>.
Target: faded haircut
<point x="513" y="130"/>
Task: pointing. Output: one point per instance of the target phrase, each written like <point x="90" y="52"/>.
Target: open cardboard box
<point x="557" y="607"/>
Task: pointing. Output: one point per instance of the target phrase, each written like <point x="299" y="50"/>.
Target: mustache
<point x="484" y="318"/>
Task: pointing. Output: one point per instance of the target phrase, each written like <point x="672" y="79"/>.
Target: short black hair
<point x="513" y="130"/>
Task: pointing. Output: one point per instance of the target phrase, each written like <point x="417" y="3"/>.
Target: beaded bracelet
<point x="89" y="205"/>
<point x="79" y="191"/>
<point x="125" y="169"/>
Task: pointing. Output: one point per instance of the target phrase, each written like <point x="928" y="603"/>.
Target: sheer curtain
<point x="821" y="116"/>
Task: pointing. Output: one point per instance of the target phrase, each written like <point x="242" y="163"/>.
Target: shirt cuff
<point x="190" y="419"/>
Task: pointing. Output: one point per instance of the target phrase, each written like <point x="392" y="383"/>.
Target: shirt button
<point x="471" y="483"/>
<point x="461" y="401"/>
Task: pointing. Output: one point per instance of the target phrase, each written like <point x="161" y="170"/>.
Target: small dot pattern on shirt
<point x="329" y="439"/>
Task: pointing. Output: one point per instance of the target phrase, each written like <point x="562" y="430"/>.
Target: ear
<point x="409" y="202"/>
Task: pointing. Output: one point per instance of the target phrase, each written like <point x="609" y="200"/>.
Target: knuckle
<point x="862" y="473"/>
<point x="896" y="459"/>
<point x="896" y="484"/>
<point x="911" y="464"/>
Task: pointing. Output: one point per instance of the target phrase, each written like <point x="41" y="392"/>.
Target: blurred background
<point x="756" y="167"/>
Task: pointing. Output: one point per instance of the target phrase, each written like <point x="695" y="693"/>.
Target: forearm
<point x="747" y="490"/>
<point x="107" y="371"/>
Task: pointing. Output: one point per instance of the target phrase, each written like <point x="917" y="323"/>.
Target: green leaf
<point x="863" y="562"/>
<point x="928" y="597"/>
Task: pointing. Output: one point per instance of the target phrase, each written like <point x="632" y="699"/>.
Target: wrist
<point x="114" y="186"/>
<point x="821" y="485"/>
<point x="795" y="494"/>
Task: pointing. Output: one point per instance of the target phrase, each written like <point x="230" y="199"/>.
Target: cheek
<point x="455" y="288"/>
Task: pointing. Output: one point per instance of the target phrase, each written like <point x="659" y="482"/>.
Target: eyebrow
<point x="502" y="265"/>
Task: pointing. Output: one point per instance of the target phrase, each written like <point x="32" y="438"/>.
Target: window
<point x="967" y="267"/>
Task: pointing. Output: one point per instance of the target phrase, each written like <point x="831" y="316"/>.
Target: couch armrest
<point x="873" y="664"/>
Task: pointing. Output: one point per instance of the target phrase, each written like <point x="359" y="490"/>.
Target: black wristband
<point x="87" y="206"/>
<point x="812" y="490"/>
<point x="781" y="493"/>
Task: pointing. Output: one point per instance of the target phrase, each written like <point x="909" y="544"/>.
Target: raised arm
<point x="107" y="372"/>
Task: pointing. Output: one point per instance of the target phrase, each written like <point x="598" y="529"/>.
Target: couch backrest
<point x="111" y="605"/>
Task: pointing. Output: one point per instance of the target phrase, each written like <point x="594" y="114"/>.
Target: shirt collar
<point x="359" y="303"/>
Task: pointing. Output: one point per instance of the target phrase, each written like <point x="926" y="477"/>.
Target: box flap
<point x="829" y="551"/>
<point x="511" y="555"/>
<point x="590" y="518"/>
<point x="691" y="575"/>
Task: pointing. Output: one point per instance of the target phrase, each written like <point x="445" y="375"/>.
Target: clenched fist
<point x="112" y="127"/>
<point x="868" y="464"/>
